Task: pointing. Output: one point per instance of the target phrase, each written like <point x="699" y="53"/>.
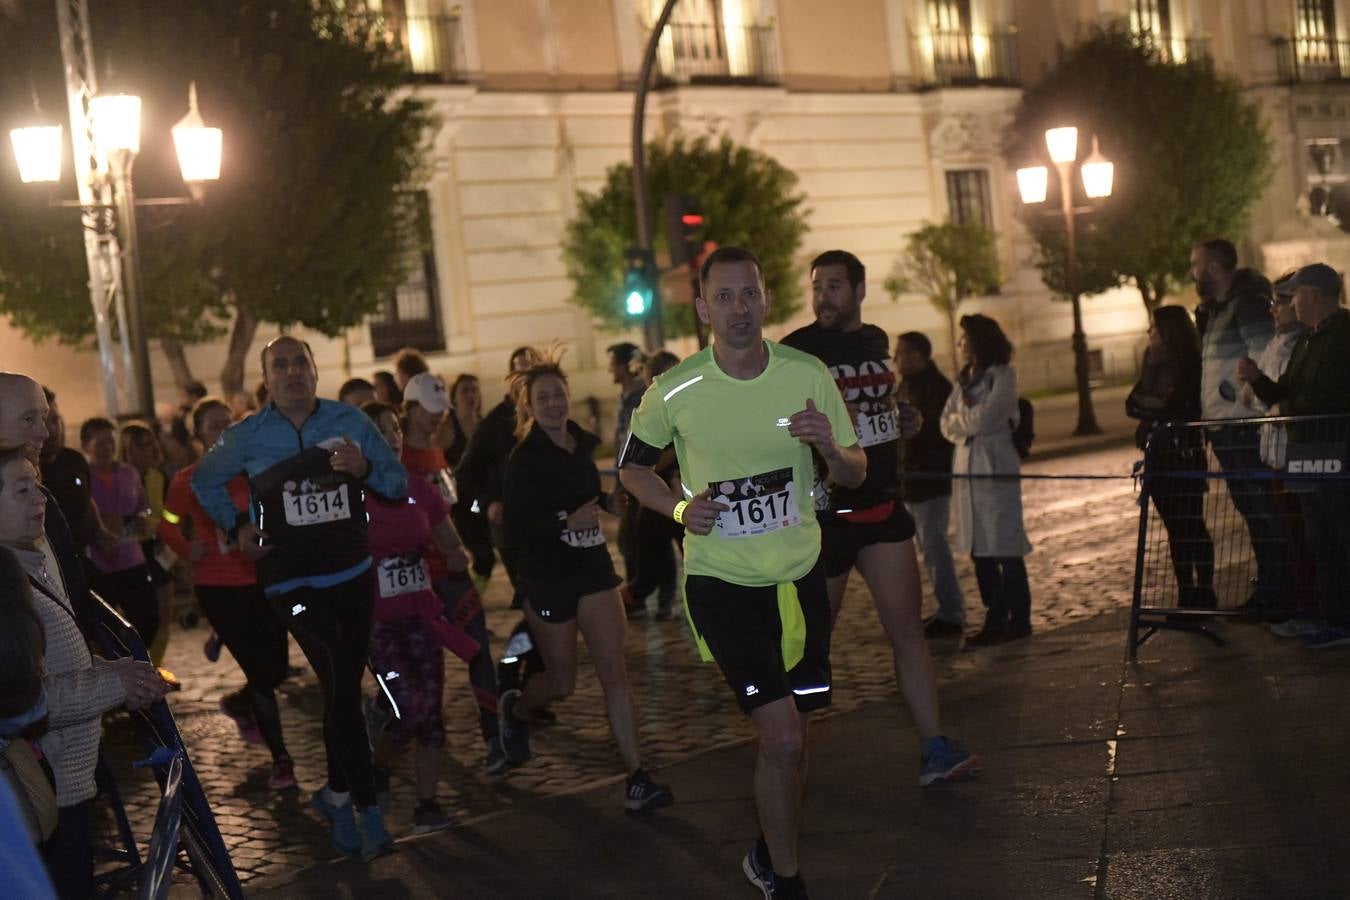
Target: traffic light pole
<point x="653" y="329"/>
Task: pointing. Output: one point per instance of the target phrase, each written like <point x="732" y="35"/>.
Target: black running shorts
<point x="556" y="600"/>
<point x="742" y="629"/>
<point x="842" y="540"/>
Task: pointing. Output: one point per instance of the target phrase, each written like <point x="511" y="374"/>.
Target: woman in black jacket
<point x="1169" y="392"/>
<point x="551" y="509"/>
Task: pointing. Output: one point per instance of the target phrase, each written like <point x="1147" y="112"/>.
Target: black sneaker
<point x="515" y="734"/>
<point x="773" y="885"/>
<point x="987" y="637"/>
<point x="936" y="627"/>
<point x="496" y="762"/>
<point x="642" y="794"/>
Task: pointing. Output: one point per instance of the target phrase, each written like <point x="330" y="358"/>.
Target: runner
<point x="743" y="415"/>
<point x="226" y="585"/>
<point x="867" y="527"/>
<point x="405" y="642"/>
<point x="552" y="498"/>
<point x="308" y="462"/>
<point x="426" y="403"/>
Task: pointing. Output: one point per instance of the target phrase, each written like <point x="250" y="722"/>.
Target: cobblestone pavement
<point x="1084" y="533"/>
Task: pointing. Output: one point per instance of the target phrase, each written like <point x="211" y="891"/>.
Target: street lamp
<point x="1098" y="175"/>
<point x="115" y="125"/>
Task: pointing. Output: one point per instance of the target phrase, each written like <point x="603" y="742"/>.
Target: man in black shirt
<point x="65" y="472"/>
<point x="929" y="499"/>
<point x="867" y="527"/>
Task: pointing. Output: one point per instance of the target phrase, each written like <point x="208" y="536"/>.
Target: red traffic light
<point x="691" y="220"/>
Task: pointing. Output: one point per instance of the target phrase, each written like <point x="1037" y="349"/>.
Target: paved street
<point x="1084" y="536"/>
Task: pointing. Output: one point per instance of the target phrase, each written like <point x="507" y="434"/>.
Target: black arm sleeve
<point x="639" y="453"/>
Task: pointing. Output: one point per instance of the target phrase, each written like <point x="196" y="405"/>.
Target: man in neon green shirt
<point x="744" y="415"/>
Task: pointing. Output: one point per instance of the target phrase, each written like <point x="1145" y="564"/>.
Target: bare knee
<point x="782" y="748"/>
<point x="560" y="685"/>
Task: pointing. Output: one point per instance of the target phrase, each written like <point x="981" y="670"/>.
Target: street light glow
<point x="1098" y="173"/>
<point x="117" y="122"/>
<point x="1062" y="144"/>
<point x="1032" y="183"/>
<point x="38" y="152"/>
<point x="198" y="146"/>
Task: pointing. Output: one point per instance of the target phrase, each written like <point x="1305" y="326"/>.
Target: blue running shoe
<point x="375" y="838"/>
<point x="1331" y="636"/>
<point x="340" y="821"/>
<point x="946" y="760"/>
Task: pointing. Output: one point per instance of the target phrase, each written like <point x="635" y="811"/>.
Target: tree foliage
<point x="310" y="224"/>
<point x="946" y="263"/>
<point x="748" y="200"/>
<point x="1190" y="151"/>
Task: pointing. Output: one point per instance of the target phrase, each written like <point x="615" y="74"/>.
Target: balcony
<point x="434" y="48"/>
<point x="709" y="53"/>
<point x="1309" y="59"/>
<point x="1170" y="49"/>
<point x="966" y="58"/>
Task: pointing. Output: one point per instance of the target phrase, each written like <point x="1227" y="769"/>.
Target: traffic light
<point x="684" y="228"/>
<point x="639" y="283"/>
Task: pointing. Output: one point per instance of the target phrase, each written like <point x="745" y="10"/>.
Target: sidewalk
<point x="1057" y="416"/>
<point x="1200" y="771"/>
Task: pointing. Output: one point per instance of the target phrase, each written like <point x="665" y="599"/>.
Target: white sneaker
<point x="1296" y="628"/>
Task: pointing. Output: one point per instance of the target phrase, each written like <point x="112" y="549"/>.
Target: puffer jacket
<point x="1238" y="325"/>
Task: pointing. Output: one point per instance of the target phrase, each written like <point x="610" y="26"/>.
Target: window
<point x="431" y="34"/>
<point x="411" y="314"/>
<point x="968" y="197"/>
<point x="1315" y="32"/>
<point x="717" y="41"/>
<point x="1151" y="20"/>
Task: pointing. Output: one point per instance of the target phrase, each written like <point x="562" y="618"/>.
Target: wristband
<point x="678" y="513"/>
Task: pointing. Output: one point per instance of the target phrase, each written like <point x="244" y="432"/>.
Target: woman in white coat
<point x="979" y="419"/>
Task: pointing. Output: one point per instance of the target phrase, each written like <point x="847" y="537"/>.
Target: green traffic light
<point x="636" y="303"/>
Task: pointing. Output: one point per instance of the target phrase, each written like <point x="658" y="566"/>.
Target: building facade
<point x="891" y="112"/>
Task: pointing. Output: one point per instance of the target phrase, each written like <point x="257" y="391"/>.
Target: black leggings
<point x="655" y="557"/>
<point x="464" y="609"/>
<point x="130" y="591"/>
<point x="1005" y="591"/>
<point x="249" y="627"/>
<point x="332" y="627"/>
<point x="1181" y="504"/>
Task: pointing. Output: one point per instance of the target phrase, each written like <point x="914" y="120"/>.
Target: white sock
<point x="336" y="798"/>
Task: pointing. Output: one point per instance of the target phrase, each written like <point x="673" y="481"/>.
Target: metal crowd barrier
<point x="1243" y="518"/>
<point x="204" y="855"/>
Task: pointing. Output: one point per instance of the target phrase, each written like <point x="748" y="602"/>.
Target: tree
<point x="312" y="221"/>
<point x="1190" y="151"/>
<point x="748" y="200"/>
<point x="946" y="263"/>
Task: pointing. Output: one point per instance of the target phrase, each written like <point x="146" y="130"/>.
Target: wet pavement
<point x="1084" y="533"/>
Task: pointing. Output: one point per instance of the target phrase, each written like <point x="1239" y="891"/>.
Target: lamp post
<point x="114" y="121"/>
<point x="1032" y="183"/>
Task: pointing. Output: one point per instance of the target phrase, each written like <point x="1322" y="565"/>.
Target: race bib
<point x="444" y="481"/>
<point x="878" y="428"/>
<point x="590" y="537"/>
<point x="403" y="575"/>
<point x="760" y="504"/>
<point x="315" y="507"/>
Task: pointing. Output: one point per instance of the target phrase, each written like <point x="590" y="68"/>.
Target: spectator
<point x="979" y="418"/>
<point x="139" y="448"/>
<point x="387" y="389"/>
<point x="23" y="702"/>
<point x="407" y="363"/>
<point x="356" y="392"/>
<point x="1317" y="382"/>
<point x="119" y="576"/>
<point x="1234" y="321"/>
<point x="1168" y="391"/>
<point x="929" y="499"/>
<point x="179" y="432"/>
<point x="79" y="687"/>
<point x="65" y="472"/>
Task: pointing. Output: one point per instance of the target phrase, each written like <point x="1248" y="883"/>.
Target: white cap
<point x="428" y="392"/>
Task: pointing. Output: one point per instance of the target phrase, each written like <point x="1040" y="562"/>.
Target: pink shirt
<point x="399" y="535"/>
<point x="120" y="495"/>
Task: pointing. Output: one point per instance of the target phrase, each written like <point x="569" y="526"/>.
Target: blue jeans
<point x="930" y="533"/>
<point x="1238" y="449"/>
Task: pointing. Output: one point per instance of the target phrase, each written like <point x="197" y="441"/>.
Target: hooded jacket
<point x="1238" y="325"/>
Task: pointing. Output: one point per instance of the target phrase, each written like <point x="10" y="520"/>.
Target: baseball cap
<point x="1318" y="275"/>
<point x="428" y="392"/>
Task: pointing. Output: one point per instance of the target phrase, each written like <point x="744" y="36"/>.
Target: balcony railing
<point x="708" y="53"/>
<point x="1312" y="59"/>
<point x="434" y="48"/>
<point x="1174" y="49"/>
<point x="956" y="58"/>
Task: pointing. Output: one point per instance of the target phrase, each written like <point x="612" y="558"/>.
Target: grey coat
<point x="988" y="512"/>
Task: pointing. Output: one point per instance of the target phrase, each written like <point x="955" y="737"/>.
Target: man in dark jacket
<point x="929" y="500"/>
<point x="1234" y="321"/>
<point x="1317" y="382"/>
